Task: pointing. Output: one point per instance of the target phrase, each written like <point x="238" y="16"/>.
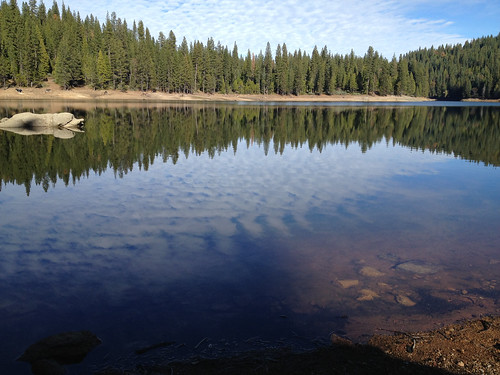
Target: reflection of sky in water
<point x="106" y="220"/>
<point x="231" y="238"/>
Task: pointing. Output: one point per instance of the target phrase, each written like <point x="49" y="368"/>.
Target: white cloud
<point x="390" y="27"/>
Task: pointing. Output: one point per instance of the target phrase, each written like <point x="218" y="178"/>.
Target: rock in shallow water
<point x="404" y="300"/>
<point x="417" y="266"/>
<point x="370" y="272"/>
<point x="46" y="355"/>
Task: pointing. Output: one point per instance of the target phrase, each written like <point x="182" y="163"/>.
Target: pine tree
<point x="68" y="69"/>
<point x="104" y="74"/>
<point x="267" y="81"/>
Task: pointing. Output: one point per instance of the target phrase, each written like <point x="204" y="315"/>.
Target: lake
<point x="227" y="227"/>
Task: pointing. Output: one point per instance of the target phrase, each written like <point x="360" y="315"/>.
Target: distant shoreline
<point x="51" y="92"/>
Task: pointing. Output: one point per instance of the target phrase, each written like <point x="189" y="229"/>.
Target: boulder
<point x="47" y="355"/>
<point x="33" y="120"/>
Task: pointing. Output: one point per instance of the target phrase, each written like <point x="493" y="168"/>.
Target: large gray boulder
<point x="33" y="120"/>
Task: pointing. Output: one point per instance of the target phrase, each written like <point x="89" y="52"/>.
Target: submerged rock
<point x="405" y="300"/>
<point x="347" y="283"/>
<point x="417" y="266"/>
<point x="370" y="272"/>
<point x="47" y="355"/>
<point x="367" y="295"/>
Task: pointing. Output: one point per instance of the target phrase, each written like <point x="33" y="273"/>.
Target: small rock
<point x="405" y="301"/>
<point x="370" y="272"/>
<point x="348" y="283"/>
<point x="461" y="364"/>
<point x="417" y="266"/>
<point x="367" y="295"/>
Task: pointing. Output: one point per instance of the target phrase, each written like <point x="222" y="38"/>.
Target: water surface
<point x="179" y="223"/>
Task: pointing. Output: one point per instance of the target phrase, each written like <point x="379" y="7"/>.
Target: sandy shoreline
<point x="52" y="91"/>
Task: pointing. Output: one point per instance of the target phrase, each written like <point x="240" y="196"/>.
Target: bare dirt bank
<point x="52" y="91"/>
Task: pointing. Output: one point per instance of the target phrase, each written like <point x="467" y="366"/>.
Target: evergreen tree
<point x="104" y="74"/>
<point x="267" y="86"/>
<point x="36" y="42"/>
<point x="68" y="68"/>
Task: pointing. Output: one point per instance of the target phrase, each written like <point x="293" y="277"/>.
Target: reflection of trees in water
<point x="119" y="138"/>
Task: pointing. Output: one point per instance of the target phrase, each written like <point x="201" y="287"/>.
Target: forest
<point x="127" y="138"/>
<point x="37" y="43"/>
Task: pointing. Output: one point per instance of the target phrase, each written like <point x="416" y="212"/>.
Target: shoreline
<point x="466" y="347"/>
<point x="52" y="91"/>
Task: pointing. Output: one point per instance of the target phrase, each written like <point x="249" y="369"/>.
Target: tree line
<point x="127" y="138"/>
<point x="36" y="43"/>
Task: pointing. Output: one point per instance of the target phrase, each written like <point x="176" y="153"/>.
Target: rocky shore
<point x="470" y="347"/>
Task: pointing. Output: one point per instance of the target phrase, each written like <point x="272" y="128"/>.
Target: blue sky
<point x="391" y="27"/>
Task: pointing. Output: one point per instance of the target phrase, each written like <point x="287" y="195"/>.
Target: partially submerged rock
<point x="33" y="120"/>
<point x="47" y="355"/>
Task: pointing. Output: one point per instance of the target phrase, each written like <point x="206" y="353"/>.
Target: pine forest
<point x="37" y="43"/>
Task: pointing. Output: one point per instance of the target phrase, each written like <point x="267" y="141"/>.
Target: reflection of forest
<point x="118" y="138"/>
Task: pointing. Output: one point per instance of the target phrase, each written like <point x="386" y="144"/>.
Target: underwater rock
<point x="405" y="300"/>
<point x="46" y="355"/>
<point x="416" y="266"/>
<point x="367" y="295"/>
<point x="347" y="283"/>
<point x="370" y="272"/>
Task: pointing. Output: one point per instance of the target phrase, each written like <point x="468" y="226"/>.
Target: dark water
<point x="180" y="223"/>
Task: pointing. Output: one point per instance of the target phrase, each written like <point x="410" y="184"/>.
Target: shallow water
<point x="180" y="223"/>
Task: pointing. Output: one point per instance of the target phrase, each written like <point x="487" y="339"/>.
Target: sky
<point x="390" y="27"/>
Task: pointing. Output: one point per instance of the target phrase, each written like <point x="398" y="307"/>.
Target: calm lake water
<point x="230" y="226"/>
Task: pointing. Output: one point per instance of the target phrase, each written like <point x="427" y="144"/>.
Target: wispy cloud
<point x="390" y="27"/>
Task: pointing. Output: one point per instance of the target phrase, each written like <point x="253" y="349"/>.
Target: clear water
<point x="233" y="222"/>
